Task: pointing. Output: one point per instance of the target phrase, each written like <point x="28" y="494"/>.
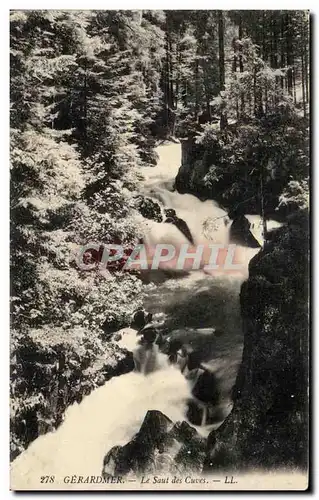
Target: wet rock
<point x="110" y="460"/>
<point x="194" y="360"/>
<point x="159" y="446"/>
<point x="218" y="333"/>
<point x="205" y="414"/>
<point x="268" y="426"/>
<point x="194" y="412"/>
<point x="179" y="223"/>
<point x="110" y="326"/>
<point x="240" y="233"/>
<point x="149" y="208"/>
<point x="206" y="388"/>
<point x="125" y="364"/>
<point x="140" y="318"/>
<point x="171" y="346"/>
<point x="201" y="341"/>
<point x="149" y="334"/>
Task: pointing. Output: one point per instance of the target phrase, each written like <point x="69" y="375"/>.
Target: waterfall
<point x="148" y="359"/>
<point x="204" y="417"/>
<point x="113" y="413"/>
<point x="108" y="417"/>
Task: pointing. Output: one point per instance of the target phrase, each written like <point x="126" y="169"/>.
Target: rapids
<point x="194" y="304"/>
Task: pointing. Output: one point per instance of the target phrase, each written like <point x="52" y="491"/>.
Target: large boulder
<point x="206" y="388"/>
<point x="149" y="208"/>
<point x="205" y="414"/>
<point x="140" y="318"/>
<point x="179" y="223"/>
<point x="159" y="446"/>
<point x="241" y="234"/>
<point x="211" y="399"/>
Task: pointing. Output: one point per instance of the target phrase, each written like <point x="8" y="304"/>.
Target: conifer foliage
<point x="80" y="94"/>
<point x="91" y="94"/>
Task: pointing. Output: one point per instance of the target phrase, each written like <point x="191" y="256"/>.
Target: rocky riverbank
<point x="49" y="375"/>
<point x="268" y="424"/>
<point x="159" y="446"/>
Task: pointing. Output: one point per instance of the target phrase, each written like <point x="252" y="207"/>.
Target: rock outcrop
<point x="206" y="388"/>
<point x="194" y="173"/>
<point x="268" y="426"/>
<point x="140" y="318"/>
<point x="240" y="234"/>
<point x="159" y="446"/>
<point x="149" y="208"/>
<point x="179" y="223"/>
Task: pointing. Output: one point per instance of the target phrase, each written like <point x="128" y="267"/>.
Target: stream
<point x="194" y="305"/>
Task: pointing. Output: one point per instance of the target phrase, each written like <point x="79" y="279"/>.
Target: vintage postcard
<point x="159" y="250"/>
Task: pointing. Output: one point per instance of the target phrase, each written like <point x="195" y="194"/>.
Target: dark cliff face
<point x="268" y="426"/>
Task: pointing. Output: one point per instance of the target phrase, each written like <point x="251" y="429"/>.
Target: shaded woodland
<point x="92" y="93"/>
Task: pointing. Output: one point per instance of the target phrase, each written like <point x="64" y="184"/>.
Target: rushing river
<point x="194" y="305"/>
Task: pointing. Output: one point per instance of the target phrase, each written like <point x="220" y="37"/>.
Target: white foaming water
<point x="148" y="359"/>
<point x="112" y="414"/>
<point x="194" y="211"/>
<point x="129" y="339"/>
<point x="109" y="416"/>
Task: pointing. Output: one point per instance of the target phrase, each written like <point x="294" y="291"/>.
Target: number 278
<point x="47" y="479"/>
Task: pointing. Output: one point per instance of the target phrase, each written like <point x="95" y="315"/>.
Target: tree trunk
<point x="171" y="82"/>
<point x="274" y="42"/>
<point x="85" y="107"/>
<point x="171" y="91"/>
<point x="262" y="208"/>
<point x="221" y="51"/>
<point x="289" y="54"/>
<point x="196" y="86"/>
<point x="223" y="115"/>
<point x="274" y="50"/>
<point x="234" y="70"/>
<point x="168" y="86"/>
<point x="306" y="76"/>
<point x="258" y="106"/>
<point x="303" y="85"/>
<point x="166" y="82"/>
<point x="282" y="50"/>
<point x="177" y="90"/>
<point x="306" y="46"/>
<point x="264" y="45"/>
<point x="241" y="65"/>
<point x="234" y="67"/>
<point x="294" y="83"/>
<point x="207" y="93"/>
<point x="240" y="36"/>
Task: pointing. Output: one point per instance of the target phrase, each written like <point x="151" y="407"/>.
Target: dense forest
<point x="92" y="94"/>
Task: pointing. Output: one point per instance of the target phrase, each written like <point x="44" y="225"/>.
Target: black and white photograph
<point x="159" y="250"/>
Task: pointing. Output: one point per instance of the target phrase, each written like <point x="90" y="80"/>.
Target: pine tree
<point x="75" y="101"/>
